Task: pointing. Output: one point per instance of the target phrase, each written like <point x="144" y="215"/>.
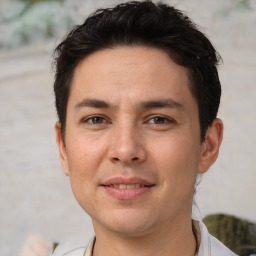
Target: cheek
<point x="84" y="153"/>
<point x="82" y="161"/>
<point x="177" y="159"/>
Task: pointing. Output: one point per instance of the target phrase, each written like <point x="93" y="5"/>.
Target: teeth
<point x="131" y="186"/>
<point x="124" y="186"/>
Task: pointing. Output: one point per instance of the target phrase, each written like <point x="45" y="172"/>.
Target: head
<point x="143" y="24"/>
<point x="137" y="94"/>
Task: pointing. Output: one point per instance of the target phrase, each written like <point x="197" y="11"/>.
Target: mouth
<point x="127" y="186"/>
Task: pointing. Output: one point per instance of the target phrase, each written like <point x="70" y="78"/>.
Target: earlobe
<point x="211" y="145"/>
<point x="62" y="148"/>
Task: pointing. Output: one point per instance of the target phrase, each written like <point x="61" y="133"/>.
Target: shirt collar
<point x="199" y="228"/>
<point x="89" y="249"/>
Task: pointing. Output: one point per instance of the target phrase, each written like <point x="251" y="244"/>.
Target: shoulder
<point x="210" y="246"/>
<point x="69" y="249"/>
<point x="69" y="252"/>
<point x="218" y="248"/>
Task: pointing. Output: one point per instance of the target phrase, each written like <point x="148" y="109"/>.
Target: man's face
<point x="132" y="140"/>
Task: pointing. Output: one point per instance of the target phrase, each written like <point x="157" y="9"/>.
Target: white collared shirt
<point x="209" y="246"/>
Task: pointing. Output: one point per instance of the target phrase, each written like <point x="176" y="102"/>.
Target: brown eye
<point x="159" y="120"/>
<point x="95" y="120"/>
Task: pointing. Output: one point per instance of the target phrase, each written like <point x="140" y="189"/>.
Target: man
<point x="137" y="95"/>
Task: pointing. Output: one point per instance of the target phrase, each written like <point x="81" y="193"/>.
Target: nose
<point x="126" y="146"/>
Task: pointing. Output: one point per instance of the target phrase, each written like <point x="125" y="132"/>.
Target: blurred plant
<point x="26" y="8"/>
<point x="37" y="1"/>
<point x="235" y="233"/>
<point x="27" y="21"/>
<point x="39" y="21"/>
<point x="243" y="3"/>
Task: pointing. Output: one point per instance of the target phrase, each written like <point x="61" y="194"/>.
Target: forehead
<point x="130" y="72"/>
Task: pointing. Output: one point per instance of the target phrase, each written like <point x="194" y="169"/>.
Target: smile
<point x="127" y="191"/>
<point x="127" y="186"/>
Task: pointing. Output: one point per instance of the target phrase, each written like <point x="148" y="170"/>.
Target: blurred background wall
<point x="35" y="196"/>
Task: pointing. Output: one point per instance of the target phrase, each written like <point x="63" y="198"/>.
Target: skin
<point x="144" y="124"/>
<point x="36" y="245"/>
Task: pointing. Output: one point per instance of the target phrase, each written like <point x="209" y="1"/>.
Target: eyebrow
<point x="93" y="103"/>
<point x="162" y="103"/>
<point x="151" y="104"/>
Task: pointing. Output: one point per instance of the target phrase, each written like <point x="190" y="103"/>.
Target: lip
<point x="127" y="194"/>
<point x="127" y="181"/>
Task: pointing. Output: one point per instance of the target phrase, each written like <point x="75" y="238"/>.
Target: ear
<point x="62" y="148"/>
<point x="210" y="146"/>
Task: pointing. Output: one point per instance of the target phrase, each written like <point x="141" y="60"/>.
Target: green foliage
<point x="37" y="1"/>
<point x="246" y="250"/>
<point x="243" y="3"/>
<point x="235" y="233"/>
<point x="34" y="23"/>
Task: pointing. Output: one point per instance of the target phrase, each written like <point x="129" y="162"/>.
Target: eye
<point x="95" y="120"/>
<point x="160" y="120"/>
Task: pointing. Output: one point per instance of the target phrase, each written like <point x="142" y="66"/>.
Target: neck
<point x="167" y="240"/>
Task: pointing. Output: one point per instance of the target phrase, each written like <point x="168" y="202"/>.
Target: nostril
<point x="125" y="159"/>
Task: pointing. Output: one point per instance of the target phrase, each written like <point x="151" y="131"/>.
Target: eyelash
<point x="164" y="120"/>
<point x="87" y="120"/>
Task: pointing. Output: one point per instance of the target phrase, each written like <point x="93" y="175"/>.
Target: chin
<point x="128" y="223"/>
